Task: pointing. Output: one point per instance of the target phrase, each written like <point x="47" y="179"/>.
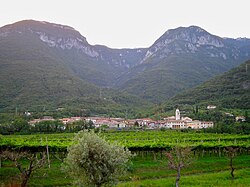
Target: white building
<point x="209" y="107"/>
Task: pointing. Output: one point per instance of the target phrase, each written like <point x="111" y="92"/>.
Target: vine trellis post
<point x="47" y="150"/>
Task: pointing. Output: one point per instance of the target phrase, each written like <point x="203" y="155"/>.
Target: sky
<point x="132" y="23"/>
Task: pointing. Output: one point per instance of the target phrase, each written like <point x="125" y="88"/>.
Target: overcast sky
<point x="133" y="23"/>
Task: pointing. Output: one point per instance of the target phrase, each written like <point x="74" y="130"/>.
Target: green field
<point x="205" y="171"/>
<point x="210" y="168"/>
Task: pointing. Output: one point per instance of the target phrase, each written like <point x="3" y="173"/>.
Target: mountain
<point x="47" y="64"/>
<point x="180" y="59"/>
<point x="230" y="90"/>
<point x="96" y="64"/>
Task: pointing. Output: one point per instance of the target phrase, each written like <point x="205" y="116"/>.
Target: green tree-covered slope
<point x="230" y="90"/>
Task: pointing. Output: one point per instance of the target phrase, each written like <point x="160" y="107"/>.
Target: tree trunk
<point x="24" y="181"/>
<point x="232" y="173"/>
<point x="154" y="154"/>
<point x="178" y="176"/>
<point x="232" y="168"/>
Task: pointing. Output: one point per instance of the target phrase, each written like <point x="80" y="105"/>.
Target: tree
<point x="35" y="161"/>
<point x="246" y="116"/>
<point x="178" y="158"/>
<point x="196" y="109"/>
<point x="80" y="125"/>
<point x="48" y="127"/>
<point x="136" y="124"/>
<point x="94" y="162"/>
<point x="231" y="153"/>
<point x="19" y="124"/>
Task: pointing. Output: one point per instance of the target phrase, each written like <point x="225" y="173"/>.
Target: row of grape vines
<point x="136" y="140"/>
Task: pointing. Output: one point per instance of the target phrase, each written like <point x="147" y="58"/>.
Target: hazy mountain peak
<point x="27" y="26"/>
<point x="183" y="40"/>
<point x="53" y="35"/>
<point x="193" y="34"/>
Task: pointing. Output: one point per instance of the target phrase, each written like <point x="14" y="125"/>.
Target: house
<point x="131" y="123"/>
<point x="229" y="114"/>
<point x="66" y="120"/>
<point x="27" y="113"/>
<point x="144" y="122"/>
<point x="76" y="119"/>
<point x="169" y="118"/>
<point x="206" y="124"/>
<point x="209" y="107"/>
<point x="186" y="119"/>
<point x="45" y="118"/>
<point x="176" y="124"/>
<point x="240" y="118"/>
<point x="195" y="124"/>
<point x="34" y="121"/>
<point x="122" y="125"/>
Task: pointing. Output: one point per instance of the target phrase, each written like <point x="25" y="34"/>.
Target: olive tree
<point x="35" y="161"/>
<point x="92" y="161"/>
<point x="179" y="157"/>
<point x="231" y="153"/>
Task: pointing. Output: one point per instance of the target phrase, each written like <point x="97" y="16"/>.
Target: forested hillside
<point x="230" y="90"/>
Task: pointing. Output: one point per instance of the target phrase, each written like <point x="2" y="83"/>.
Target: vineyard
<point x="210" y="167"/>
<point x="135" y="141"/>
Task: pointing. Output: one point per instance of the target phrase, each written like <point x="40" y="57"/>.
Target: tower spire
<point x="177" y="114"/>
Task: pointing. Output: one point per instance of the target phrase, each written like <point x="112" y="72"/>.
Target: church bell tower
<point x="177" y="114"/>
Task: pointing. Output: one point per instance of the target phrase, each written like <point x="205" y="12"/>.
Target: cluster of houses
<point x="173" y="122"/>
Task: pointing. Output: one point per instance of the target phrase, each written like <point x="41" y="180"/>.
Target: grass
<point x="204" y="171"/>
<point x="45" y="176"/>
<point x="217" y="179"/>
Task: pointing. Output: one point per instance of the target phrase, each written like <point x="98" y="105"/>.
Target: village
<point x="172" y="122"/>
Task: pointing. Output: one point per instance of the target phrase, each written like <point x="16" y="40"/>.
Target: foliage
<point x="16" y="125"/>
<point x="21" y="126"/>
<point x="94" y="162"/>
<point x="79" y="125"/>
<point x="48" y="127"/>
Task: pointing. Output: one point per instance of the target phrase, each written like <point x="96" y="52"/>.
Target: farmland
<point x="134" y="140"/>
<point x="210" y="168"/>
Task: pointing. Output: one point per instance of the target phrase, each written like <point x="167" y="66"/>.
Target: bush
<point x="94" y="162"/>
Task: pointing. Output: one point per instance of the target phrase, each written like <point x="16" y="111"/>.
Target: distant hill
<point x="53" y="65"/>
<point x="230" y="90"/>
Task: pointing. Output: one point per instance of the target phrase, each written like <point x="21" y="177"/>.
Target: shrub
<point x="94" y="162"/>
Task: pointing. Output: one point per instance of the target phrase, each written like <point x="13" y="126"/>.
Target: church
<point x="178" y="122"/>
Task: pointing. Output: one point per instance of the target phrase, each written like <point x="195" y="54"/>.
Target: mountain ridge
<point x="186" y="57"/>
<point x="181" y="58"/>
